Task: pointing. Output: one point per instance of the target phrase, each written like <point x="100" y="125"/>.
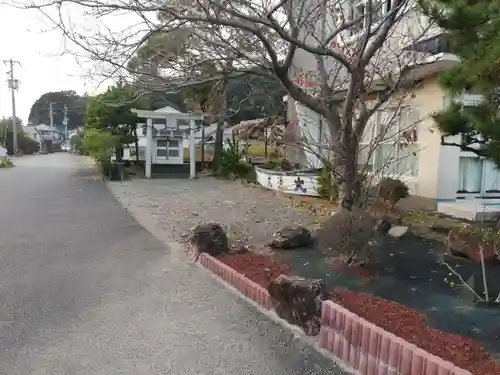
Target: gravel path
<point x="249" y="214"/>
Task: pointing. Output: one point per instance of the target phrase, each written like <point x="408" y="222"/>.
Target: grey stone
<point x="210" y="238"/>
<point x="298" y="301"/>
<point x="291" y="237"/>
<point x="383" y="226"/>
<point x="397" y="231"/>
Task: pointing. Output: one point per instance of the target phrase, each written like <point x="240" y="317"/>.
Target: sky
<point x="24" y="37"/>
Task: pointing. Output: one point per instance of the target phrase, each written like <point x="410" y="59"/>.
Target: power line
<point x="13" y="85"/>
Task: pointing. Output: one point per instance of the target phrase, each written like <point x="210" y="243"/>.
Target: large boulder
<point x="209" y="238"/>
<point x="291" y="237"/>
<point x="298" y="301"/>
<point x="465" y="242"/>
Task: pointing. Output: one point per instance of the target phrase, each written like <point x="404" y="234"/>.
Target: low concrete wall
<point x="294" y="182"/>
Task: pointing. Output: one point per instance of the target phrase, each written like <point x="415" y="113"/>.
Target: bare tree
<point x="345" y="60"/>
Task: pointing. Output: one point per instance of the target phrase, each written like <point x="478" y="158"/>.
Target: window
<point x="161" y="152"/>
<point x="182" y="122"/>
<point x="161" y="143"/>
<point x="173" y="143"/>
<point x="470" y="175"/>
<point x="397" y="150"/>
<point x="173" y="153"/>
<point x="361" y="9"/>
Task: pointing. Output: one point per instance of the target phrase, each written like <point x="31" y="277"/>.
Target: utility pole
<point x="13" y="85"/>
<point x="65" y="122"/>
<point x="51" y="119"/>
<point x="51" y="116"/>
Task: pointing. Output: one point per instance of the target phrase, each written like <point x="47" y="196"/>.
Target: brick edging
<point x="243" y="284"/>
<point x="370" y="349"/>
<point x="363" y="346"/>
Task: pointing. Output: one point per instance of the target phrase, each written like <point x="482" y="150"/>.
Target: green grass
<point x="258" y="149"/>
<point x="6" y="163"/>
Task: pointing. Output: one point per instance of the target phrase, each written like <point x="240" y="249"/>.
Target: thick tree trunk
<point x="221" y="120"/>
<point x="347" y="175"/>
<point x="136" y="143"/>
<point x="119" y="153"/>
<point x="218" y="144"/>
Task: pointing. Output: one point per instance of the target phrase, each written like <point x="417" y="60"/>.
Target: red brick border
<point x="373" y="351"/>
<point x="243" y="284"/>
<point x="363" y="346"/>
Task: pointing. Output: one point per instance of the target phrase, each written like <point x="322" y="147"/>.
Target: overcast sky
<point x="43" y="69"/>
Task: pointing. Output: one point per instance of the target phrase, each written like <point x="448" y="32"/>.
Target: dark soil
<point x="413" y="327"/>
<point x="259" y="268"/>
<point x="354" y="270"/>
<point x="415" y="323"/>
<point x="407" y="271"/>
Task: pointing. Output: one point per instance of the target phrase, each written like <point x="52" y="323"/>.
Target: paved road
<point x="84" y="289"/>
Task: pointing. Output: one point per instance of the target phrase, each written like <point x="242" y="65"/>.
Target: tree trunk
<point x="119" y="153"/>
<point x="136" y="143"/>
<point x="219" y="132"/>
<point x="347" y="177"/>
<point x="218" y="144"/>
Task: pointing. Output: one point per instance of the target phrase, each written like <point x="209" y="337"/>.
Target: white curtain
<point x="470" y="175"/>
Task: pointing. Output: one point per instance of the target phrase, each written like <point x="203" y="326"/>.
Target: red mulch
<point x="412" y="326"/>
<point x="391" y="316"/>
<point x="356" y="270"/>
<point x="259" y="268"/>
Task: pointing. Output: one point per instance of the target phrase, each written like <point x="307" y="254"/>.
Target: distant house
<point x="3" y="152"/>
<point x="47" y="137"/>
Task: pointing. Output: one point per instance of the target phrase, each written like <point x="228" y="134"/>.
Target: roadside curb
<point x="363" y="347"/>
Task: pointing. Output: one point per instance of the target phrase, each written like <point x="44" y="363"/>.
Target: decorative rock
<point x="397" y="231"/>
<point x="383" y="226"/>
<point x="209" y="238"/>
<point x="466" y="245"/>
<point x="291" y="237"/>
<point x="298" y="301"/>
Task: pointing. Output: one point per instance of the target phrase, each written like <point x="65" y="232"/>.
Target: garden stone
<point x="383" y="226"/>
<point x="440" y="228"/>
<point x="291" y="237"/>
<point x="398" y="231"/>
<point x="298" y="301"/>
<point x="209" y="238"/>
<point x="466" y="245"/>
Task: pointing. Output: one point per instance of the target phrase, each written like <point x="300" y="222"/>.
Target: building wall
<point x="428" y="98"/>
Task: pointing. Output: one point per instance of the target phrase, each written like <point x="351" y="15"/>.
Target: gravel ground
<point x="248" y="213"/>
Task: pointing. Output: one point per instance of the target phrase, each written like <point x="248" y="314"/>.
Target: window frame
<point x="355" y="32"/>
<point x="373" y="163"/>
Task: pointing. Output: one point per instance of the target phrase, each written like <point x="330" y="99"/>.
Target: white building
<point x="171" y="139"/>
<point x="443" y="173"/>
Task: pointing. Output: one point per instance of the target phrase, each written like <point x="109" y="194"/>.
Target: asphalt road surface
<point x="84" y="289"/>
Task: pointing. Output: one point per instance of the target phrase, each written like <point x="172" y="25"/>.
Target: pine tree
<point x="473" y="27"/>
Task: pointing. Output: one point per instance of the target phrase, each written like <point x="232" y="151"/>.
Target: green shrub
<point x="77" y="144"/>
<point x="100" y="144"/>
<point x="391" y="190"/>
<point x="279" y="165"/>
<point x="327" y="188"/>
<point x="231" y="161"/>
<point x="6" y="163"/>
<point x="28" y="146"/>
